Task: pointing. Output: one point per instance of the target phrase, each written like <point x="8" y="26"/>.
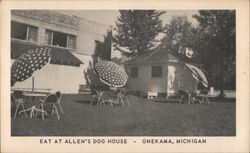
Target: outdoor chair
<point x="95" y="95"/>
<point x="59" y="96"/>
<point x="122" y="96"/>
<point x="109" y="97"/>
<point x="184" y="96"/>
<point x="194" y="97"/>
<point x="204" y="92"/>
<point x="203" y="95"/>
<point x="48" y="106"/>
<point x="17" y="99"/>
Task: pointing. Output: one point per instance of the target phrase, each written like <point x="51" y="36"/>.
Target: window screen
<point x="156" y="71"/>
<point x="71" y="42"/>
<point x="18" y="31"/>
<point x="32" y="35"/>
<point x="60" y="39"/>
<point x="24" y="32"/>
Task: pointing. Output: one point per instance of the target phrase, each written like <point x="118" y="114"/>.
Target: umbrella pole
<point x="33" y="98"/>
<point x="33" y="85"/>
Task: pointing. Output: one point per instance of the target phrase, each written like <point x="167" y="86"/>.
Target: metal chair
<point x="59" y="96"/>
<point x="109" y="97"/>
<point x="49" y="103"/>
<point x="203" y="95"/>
<point x="95" y="95"/>
<point x="122" y="96"/>
<point x="184" y="95"/>
<point x="17" y="99"/>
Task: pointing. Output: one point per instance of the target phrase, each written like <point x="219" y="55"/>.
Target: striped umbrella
<point x="111" y="73"/>
<point x="198" y="74"/>
<point x="24" y="66"/>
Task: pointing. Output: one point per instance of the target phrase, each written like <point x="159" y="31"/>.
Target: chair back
<point x="13" y="100"/>
<point x="93" y="90"/>
<point x="52" y="98"/>
<point x="12" y="97"/>
<point x="59" y="95"/>
<point x="109" y="95"/>
<point x="17" y="94"/>
<point x="204" y="92"/>
<point x="125" y="91"/>
<point x="182" y="92"/>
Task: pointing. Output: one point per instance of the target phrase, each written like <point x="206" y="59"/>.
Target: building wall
<point x="174" y="77"/>
<point x="58" y="77"/>
<point x="89" y="32"/>
<point x="145" y="83"/>
<point x="61" y="77"/>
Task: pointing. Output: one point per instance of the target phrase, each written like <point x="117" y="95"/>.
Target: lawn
<point x="142" y="118"/>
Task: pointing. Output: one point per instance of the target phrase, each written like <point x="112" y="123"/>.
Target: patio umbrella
<point x="198" y="74"/>
<point x="25" y="66"/>
<point x="111" y="73"/>
<point x="28" y="63"/>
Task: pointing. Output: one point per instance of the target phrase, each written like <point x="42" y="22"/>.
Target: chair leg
<point x="42" y="112"/>
<point x="17" y="107"/>
<point x="60" y="107"/>
<point x="180" y="99"/>
<point x="207" y="100"/>
<point x="98" y="101"/>
<point x="126" y="99"/>
<point x="92" y="100"/>
<point x="32" y="112"/>
<point x="122" y="101"/>
<point x="24" y="111"/>
<point x="36" y="114"/>
<point x="57" y="113"/>
<point x="37" y="111"/>
<point x="53" y="109"/>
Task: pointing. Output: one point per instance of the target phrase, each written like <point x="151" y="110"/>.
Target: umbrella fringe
<point x="197" y="74"/>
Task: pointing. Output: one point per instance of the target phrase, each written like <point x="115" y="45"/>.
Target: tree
<point x="102" y="52"/>
<point x="180" y="34"/>
<point x="217" y="46"/>
<point x="136" y="31"/>
<point x="103" y="49"/>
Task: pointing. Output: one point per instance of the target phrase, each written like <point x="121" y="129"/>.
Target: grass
<point x="141" y="118"/>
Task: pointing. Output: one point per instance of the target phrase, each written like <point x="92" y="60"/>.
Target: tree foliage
<point x="136" y="31"/>
<point x="180" y="34"/>
<point x="216" y="46"/>
<point x="102" y="52"/>
<point x="103" y="49"/>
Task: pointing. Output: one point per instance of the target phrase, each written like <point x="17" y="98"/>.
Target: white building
<point x="71" y="38"/>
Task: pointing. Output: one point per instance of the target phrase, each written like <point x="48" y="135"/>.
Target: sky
<point x="109" y="17"/>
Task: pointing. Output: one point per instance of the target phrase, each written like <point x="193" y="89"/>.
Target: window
<point x="60" y="39"/>
<point x="71" y="42"/>
<point x="134" y="72"/>
<point x="156" y="71"/>
<point x="24" y="32"/>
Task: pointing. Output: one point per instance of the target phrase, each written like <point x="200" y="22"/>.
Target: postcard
<point x="125" y="76"/>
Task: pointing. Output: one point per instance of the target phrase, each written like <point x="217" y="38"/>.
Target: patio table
<point x="33" y="107"/>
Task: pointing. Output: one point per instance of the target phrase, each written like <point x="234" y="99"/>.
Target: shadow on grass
<point x="212" y="100"/>
<point x="83" y="101"/>
<point x="223" y="100"/>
